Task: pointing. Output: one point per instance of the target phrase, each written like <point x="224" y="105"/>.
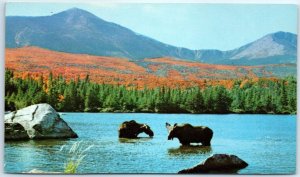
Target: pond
<point x="266" y="142"/>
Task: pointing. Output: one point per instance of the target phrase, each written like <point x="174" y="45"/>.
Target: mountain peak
<point x="282" y="33"/>
<point x="272" y="45"/>
<point x="75" y="12"/>
<point x="284" y="37"/>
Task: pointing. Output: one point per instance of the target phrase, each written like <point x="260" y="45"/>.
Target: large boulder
<point x="39" y="121"/>
<point x="218" y="163"/>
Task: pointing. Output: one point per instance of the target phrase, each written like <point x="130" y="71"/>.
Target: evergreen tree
<point x="248" y="96"/>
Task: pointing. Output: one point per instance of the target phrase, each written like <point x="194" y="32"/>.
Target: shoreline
<point x="181" y="113"/>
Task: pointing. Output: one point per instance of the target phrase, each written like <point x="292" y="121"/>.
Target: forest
<point x="259" y="96"/>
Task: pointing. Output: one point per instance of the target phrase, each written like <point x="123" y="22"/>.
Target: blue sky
<point x="194" y="26"/>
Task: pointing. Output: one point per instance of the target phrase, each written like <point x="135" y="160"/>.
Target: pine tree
<point x="261" y="96"/>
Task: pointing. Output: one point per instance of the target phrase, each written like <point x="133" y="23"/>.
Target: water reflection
<point x="135" y="140"/>
<point x="47" y="150"/>
<point x="48" y="142"/>
<point x="185" y="150"/>
<point x="50" y="146"/>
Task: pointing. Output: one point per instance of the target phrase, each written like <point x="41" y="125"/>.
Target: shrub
<point x="76" y="154"/>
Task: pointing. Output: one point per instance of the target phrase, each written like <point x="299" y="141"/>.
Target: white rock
<point x="41" y="121"/>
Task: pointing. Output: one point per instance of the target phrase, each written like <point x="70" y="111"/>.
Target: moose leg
<point x="184" y="143"/>
<point x="206" y="143"/>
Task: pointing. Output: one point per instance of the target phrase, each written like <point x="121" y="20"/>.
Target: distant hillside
<point x="280" y="47"/>
<point x="148" y="72"/>
<point x="78" y="31"/>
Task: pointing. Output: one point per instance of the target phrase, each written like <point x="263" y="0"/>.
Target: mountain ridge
<point x="79" y="31"/>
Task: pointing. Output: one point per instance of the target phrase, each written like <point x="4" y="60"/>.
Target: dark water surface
<point x="266" y="142"/>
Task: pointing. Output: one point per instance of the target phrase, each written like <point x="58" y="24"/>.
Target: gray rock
<point x="218" y="163"/>
<point x="15" y="131"/>
<point x="40" y="121"/>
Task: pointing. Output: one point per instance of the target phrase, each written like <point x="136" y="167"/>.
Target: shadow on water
<point x="192" y="149"/>
<point x="134" y="140"/>
<point x="50" y="146"/>
<point x="46" y="142"/>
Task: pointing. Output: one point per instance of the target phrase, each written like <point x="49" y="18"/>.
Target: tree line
<point x="81" y="95"/>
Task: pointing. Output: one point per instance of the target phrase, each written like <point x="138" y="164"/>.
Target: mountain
<point x="147" y="72"/>
<point x="280" y="47"/>
<point x="79" y="31"/>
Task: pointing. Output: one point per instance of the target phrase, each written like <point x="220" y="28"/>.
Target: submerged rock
<point x="36" y="171"/>
<point x="218" y="163"/>
<point x="39" y="121"/>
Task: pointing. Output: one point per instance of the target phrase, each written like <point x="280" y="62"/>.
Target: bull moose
<point x="186" y="134"/>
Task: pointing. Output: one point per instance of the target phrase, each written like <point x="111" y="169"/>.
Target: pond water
<point x="266" y="142"/>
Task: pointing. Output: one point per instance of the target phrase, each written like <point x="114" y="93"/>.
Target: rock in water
<point x="39" y="121"/>
<point x="36" y="171"/>
<point x="15" y="131"/>
<point x="218" y="163"/>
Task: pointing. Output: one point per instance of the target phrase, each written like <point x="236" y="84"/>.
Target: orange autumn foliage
<point x="36" y="62"/>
